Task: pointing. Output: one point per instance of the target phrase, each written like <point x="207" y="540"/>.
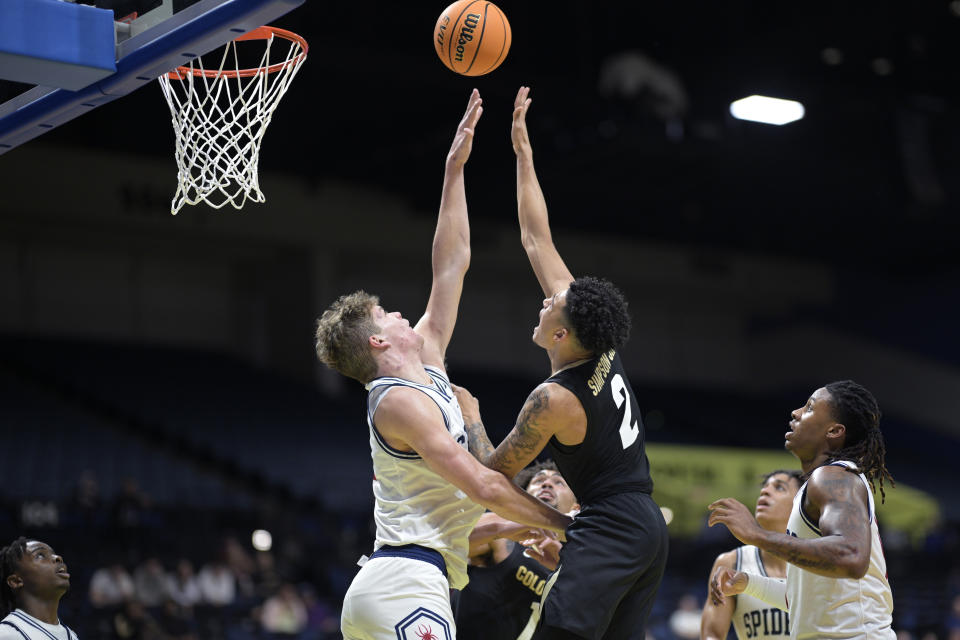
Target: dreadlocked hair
<point x="10" y="557"/>
<point x="856" y="409"/>
<point x="597" y="311"/>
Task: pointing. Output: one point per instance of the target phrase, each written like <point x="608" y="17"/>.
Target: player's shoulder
<point x="833" y="475"/>
<point x="556" y="402"/>
<point x="9" y="630"/>
<point x="832" y="482"/>
<point x="555" y="394"/>
<point x="404" y="397"/>
<point x="405" y="405"/>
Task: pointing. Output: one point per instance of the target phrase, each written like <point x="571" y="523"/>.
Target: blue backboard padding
<point x="55" y="44"/>
<point x="192" y="32"/>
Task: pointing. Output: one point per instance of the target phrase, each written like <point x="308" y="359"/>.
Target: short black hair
<point x="597" y="312"/>
<point x="853" y="406"/>
<point x="525" y="475"/>
<point x="796" y="474"/>
<point x="10" y="557"/>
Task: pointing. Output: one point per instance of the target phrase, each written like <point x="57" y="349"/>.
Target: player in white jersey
<point x="429" y="489"/>
<point x="753" y="618"/>
<point x="836" y="583"/>
<point x="32" y="580"/>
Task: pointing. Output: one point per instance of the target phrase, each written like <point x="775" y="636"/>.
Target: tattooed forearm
<point x="842" y="552"/>
<point x="480" y="445"/>
<point x="525" y="441"/>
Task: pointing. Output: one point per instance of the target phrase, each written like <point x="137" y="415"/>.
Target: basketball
<point x="472" y="37"/>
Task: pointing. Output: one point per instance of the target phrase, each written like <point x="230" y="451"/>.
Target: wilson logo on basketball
<point x="443" y="29"/>
<point x="471" y="37"/>
<point x="470" y="23"/>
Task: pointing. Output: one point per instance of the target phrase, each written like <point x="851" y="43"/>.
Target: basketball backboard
<point x="79" y="57"/>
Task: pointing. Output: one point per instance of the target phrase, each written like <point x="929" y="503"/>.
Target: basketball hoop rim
<point x="260" y="33"/>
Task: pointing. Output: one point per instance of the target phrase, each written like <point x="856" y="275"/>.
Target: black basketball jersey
<point x="612" y="457"/>
<point x="496" y="603"/>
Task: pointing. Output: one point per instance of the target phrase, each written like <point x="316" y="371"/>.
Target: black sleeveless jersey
<point x="495" y="604"/>
<point x="612" y="457"/>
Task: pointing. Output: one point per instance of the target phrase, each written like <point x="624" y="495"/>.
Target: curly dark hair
<point x="525" y="475"/>
<point x="10" y="557"/>
<point x="857" y="410"/>
<point x="597" y="312"/>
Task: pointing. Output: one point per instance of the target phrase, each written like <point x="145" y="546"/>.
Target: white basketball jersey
<point x="753" y="618"/>
<point x="19" y="625"/>
<point x="822" y="607"/>
<point x="414" y="505"/>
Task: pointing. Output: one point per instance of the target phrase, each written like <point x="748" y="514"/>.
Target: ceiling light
<point x="766" y="110"/>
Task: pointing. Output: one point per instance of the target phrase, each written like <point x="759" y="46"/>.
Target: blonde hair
<point x="343" y="333"/>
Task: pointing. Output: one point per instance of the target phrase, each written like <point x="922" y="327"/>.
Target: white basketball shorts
<point x="397" y="598"/>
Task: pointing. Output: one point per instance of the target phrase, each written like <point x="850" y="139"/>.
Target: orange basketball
<point x="472" y="37"/>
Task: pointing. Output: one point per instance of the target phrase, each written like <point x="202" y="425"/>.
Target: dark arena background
<point x="160" y="399"/>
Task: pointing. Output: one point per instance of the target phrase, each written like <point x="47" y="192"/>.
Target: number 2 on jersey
<point x="628" y="432"/>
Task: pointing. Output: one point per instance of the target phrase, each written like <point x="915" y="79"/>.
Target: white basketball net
<point x="219" y="119"/>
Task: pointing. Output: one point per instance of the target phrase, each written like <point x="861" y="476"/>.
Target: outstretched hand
<point x="518" y="132"/>
<point x="469" y="406"/>
<point x="737" y="519"/>
<point x="726" y="582"/>
<point x="463" y="140"/>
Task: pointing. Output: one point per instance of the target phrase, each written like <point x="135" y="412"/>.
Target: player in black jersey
<point x="507" y="579"/>
<point x="586" y="414"/>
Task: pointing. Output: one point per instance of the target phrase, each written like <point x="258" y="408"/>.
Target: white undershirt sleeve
<point x="773" y="591"/>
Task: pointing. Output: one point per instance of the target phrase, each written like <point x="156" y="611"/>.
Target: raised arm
<point x="535" y="235"/>
<point x="451" y="243"/>
<point x="837" y="499"/>
<point x="409" y="418"/>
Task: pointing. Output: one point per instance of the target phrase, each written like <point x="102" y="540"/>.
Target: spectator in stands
<point x="685" y="620"/>
<point x="268" y="579"/>
<point x="85" y="503"/>
<point x="321" y="617"/>
<point x="183" y="586"/>
<point x="217" y="584"/>
<point x="242" y="565"/>
<point x="111" y="586"/>
<point x="176" y="622"/>
<point x="133" y="622"/>
<point x="130" y="505"/>
<point x="284" y="613"/>
<point x="150" y="583"/>
<point x="33" y="578"/>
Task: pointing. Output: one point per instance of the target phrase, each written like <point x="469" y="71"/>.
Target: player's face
<point x="396" y="328"/>
<point x="548" y="486"/>
<point x="551" y="318"/>
<point x="41" y="571"/>
<point x="776" y="501"/>
<point x="809" y="425"/>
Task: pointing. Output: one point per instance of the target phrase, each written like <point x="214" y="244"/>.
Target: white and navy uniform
<point x="423" y="523"/>
<point x="20" y="625"/>
<point x="822" y="607"/>
<point x="753" y="618"/>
